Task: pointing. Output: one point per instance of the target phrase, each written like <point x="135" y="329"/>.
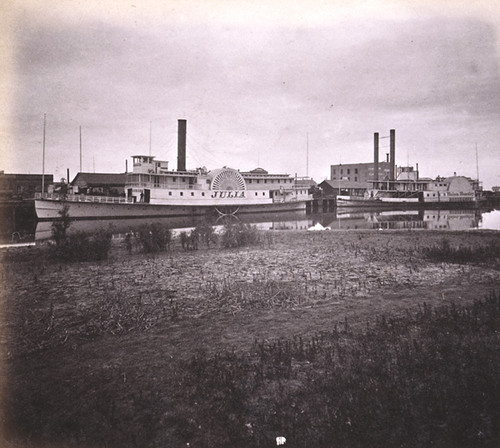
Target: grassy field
<point x="345" y="339"/>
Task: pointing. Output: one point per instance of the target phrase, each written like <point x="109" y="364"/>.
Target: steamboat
<point x="152" y="190"/>
<point x="403" y="187"/>
<point x="454" y="190"/>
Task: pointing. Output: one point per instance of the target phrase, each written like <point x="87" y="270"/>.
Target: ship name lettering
<point x="228" y="194"/>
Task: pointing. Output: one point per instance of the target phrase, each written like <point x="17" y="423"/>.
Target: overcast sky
<point x="292" y="87"/>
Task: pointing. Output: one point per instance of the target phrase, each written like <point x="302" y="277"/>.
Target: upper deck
<point x="150" y="173"/>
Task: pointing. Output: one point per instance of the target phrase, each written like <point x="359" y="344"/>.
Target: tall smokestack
<point x="375" y="156"/>
<point x="181" y="145"/>
<point x="392" y="159"/>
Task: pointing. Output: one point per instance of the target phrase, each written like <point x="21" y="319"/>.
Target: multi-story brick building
<point x="359" y="172"/>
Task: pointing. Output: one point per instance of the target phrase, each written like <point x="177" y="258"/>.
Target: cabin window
<point x="170" y="193"/>
<point x="263" y="193"/>
<point x="203" y="194"/>
<point x="192" y="194"/>
<point x="174" y="179"/>
<point x="182" y="193"/>
<point x="348" y="171"/>
<point x="183" y="179"/>
<point x="265" y="181"/>
<point x="249" y="181"/>
<point x="341" y="171"/>
<point x="258" y="181"/>
<point x="256" y="193"/>
<point x="355" y="171"/>
<point x="355" y="179"/>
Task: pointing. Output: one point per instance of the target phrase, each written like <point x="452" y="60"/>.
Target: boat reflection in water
<point x="463" y="219"/>
<point x="263" y="221"/>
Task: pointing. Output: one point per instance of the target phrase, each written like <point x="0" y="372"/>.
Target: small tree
<point x="60" y="226"/>
<point x="206" y="233"/>
<point x="239" y="235"/>
<point x="154" y="238"/>
<point x="81" y="246"/>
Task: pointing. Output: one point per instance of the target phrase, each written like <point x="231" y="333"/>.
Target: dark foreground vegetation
<point x="425" y="379"/>
<point x="428" y="379"/>
<point x="444" y="251"/>
<point x="329" y="340"/>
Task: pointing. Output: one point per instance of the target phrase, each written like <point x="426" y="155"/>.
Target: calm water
<point x="462" y="219"/>
<point x="25" y="231"/>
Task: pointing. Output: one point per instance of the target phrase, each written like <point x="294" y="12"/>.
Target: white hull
<point x="360" y="201"/>
<point x="49" y="209"/>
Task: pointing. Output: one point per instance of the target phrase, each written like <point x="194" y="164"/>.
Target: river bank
<point x="135" y="319"/>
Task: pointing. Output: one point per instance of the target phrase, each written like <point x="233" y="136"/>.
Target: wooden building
<point x="99" y="184"/>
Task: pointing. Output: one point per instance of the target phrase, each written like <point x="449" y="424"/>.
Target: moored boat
<point x="152" y="190"/>
<point x="453" y="190"/>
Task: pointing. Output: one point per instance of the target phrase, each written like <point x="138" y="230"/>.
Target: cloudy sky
<point x="291" y="86"/>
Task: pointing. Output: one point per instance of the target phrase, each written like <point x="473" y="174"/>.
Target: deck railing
<point x="83" y="198"/>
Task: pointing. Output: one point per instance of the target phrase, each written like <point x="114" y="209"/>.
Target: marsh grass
<point x="429" y="378"/>
<point x="260" y="293"/>
<point x="446" y="252"/>
<point x="139" y="352"/>
<point x="426" y="378"/>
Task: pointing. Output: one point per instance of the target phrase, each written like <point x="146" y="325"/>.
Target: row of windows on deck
<point x="163" y="180"/>
<point x="181" y="193"/>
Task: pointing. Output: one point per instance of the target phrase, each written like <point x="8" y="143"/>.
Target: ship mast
<point x="43" y="157"/>
<point x="80" y="150"/>
<point x="477" y="165"/>
<point x="307" y="154"/>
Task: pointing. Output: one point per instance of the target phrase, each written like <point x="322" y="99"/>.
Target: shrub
<point x="81" y="246"/>
<point x="60" y="226"/>
<point x="189" y="241"/>
<point x="206" y="233"/>
<point x="239" y="235"/>
<point x="445" y="252"/>
<point x="154" y="238"/>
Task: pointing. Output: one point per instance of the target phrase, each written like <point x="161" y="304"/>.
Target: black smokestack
<point x="392" y="159"/>
<point x="181" y="145"/>
<point x="375" y="156"/>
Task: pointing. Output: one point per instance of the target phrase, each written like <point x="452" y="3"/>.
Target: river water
<point x="341" y="219"/>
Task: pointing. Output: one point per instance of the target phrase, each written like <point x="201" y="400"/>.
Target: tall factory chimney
<point x="181" y="145"/>
<point x="392" y="157"/>
<point x="375" y="156"/>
